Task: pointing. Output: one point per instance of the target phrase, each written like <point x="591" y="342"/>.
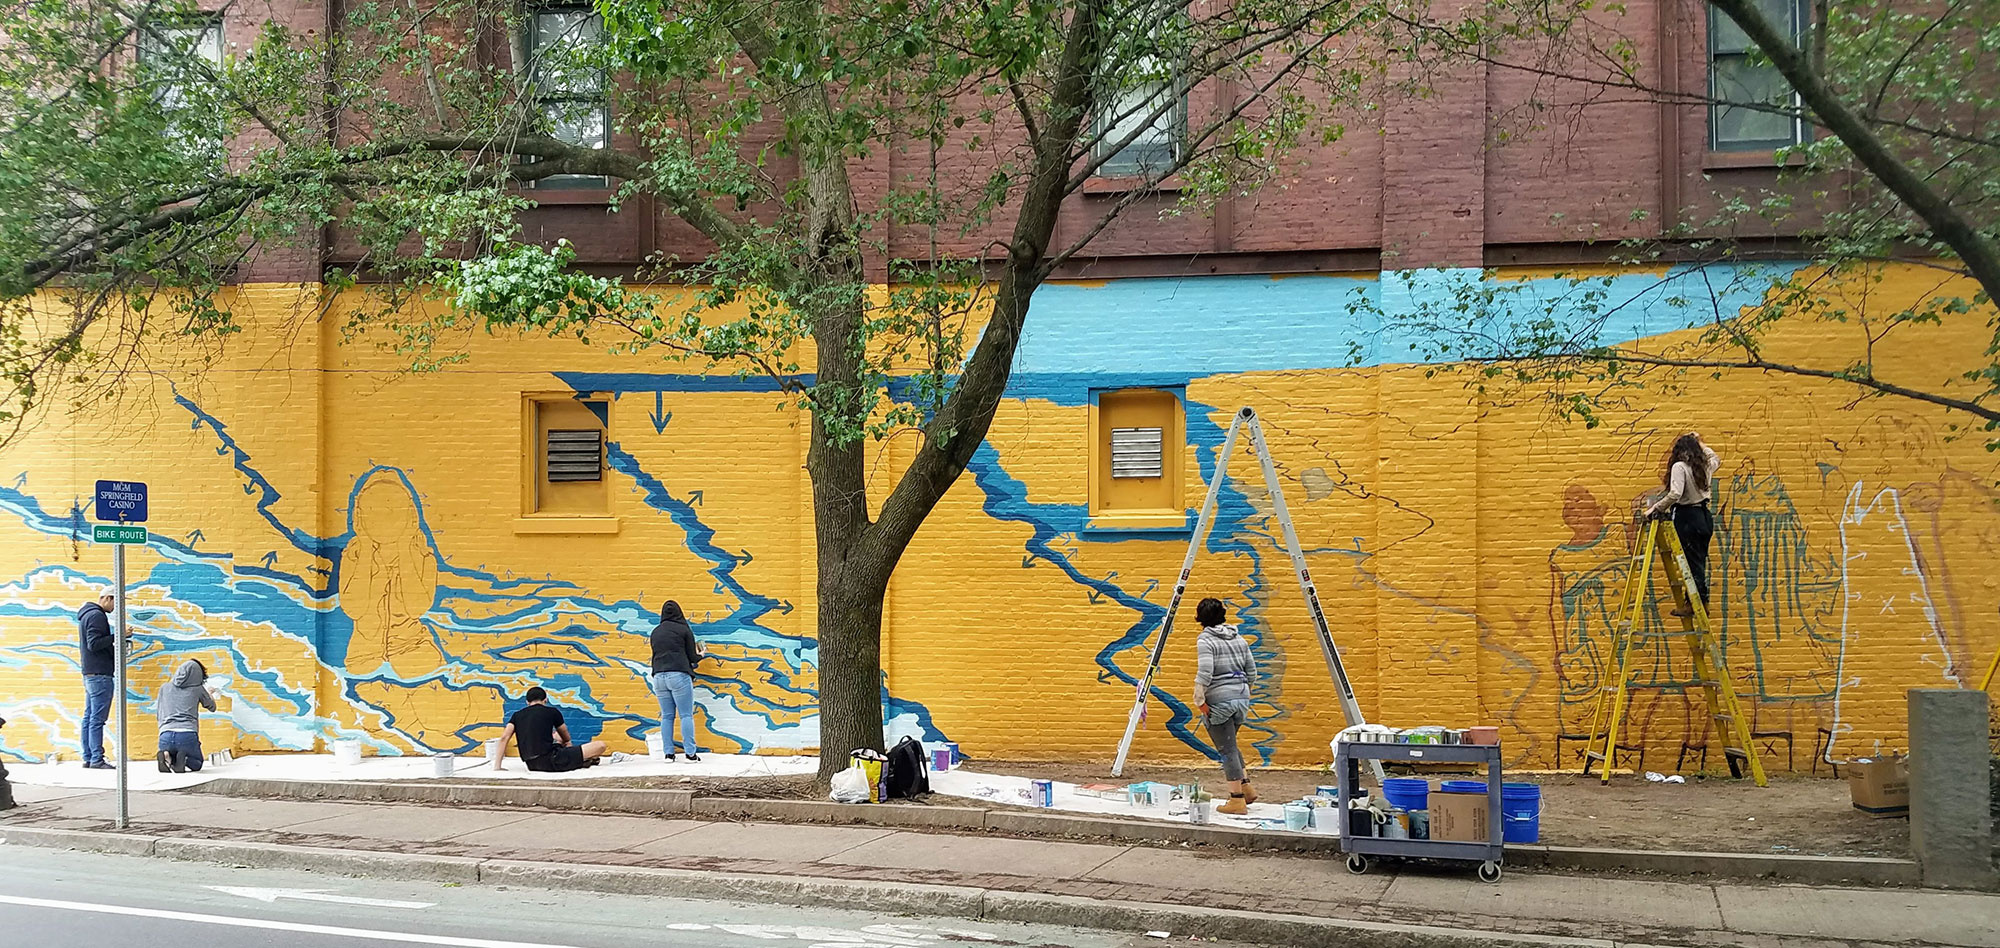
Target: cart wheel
<point x="1357" y="863"/>
<point x="1489" y="872"/>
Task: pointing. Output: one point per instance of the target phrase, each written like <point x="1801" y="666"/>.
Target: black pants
<point x="1695" y="526"/>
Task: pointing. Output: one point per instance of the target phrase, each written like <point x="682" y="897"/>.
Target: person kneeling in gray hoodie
<point x="179" y="707"/>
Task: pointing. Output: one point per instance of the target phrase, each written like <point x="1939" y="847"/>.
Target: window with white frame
<point x="1753" y="107"/>
<point x="569" y="85"/>
<point x="1141" y="126"/>
<point x="179" y="60"/>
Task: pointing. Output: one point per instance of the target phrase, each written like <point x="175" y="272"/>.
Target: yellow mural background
<point x="1464" y="546"/>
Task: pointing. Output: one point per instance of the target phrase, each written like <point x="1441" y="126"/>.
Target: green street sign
<point x="116" y="533"/>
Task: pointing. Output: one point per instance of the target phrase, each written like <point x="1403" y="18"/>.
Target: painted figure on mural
<point x="388" y="581"/>
<point x="1905" y="515"/>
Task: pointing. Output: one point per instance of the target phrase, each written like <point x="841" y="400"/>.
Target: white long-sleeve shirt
<point x="1681" y="487"/>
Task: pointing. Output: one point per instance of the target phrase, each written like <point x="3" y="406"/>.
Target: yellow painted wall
<point x="352" y="544"/>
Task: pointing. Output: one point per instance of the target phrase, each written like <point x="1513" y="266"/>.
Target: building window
<point x="178" y="61"/>
<point x="1138" y="441"/>
<point x="563" y="464"/>
<point x="1740" y="75"/>
<point x="1142" y="127"/>
<point x="569" y="83"/>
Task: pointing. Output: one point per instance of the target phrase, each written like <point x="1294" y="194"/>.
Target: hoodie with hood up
<point x="674" y="648"/>
<point x="179" y="699"/>
<point x="1224" y="666"/>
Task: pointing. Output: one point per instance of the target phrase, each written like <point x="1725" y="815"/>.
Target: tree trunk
<point x="850" y="666"/>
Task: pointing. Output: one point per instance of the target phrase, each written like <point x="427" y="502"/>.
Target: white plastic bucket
<point x="444" y="765"/>
<point x="347" y="753"/>
<point x="656" y="746"/>
<point x="492" y="749"/>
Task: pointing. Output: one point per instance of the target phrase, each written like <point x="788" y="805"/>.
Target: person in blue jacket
<point x="98" y="654"/>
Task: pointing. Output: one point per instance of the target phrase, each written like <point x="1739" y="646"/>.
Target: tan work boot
<point x="1235" y="805"/>
<point x="1249" y="795"/>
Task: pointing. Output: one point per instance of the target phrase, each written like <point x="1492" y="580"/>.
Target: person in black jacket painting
<point x="675" y="653"/>
<point x="96" y="654"/>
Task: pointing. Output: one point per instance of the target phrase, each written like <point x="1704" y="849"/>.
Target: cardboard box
<point x="1881" y="787"/>
<point x="1461" y="817"/>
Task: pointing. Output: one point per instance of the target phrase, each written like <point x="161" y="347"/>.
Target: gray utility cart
<point x="1347" y="759"/>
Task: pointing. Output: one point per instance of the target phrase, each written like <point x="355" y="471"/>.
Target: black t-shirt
<point x="535" y="730"/>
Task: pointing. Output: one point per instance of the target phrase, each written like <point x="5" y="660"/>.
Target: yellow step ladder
<point x="1659" y="543"/>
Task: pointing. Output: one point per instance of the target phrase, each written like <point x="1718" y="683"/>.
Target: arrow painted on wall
<point x="660" y="415"/>
<point x="785" y="608"/>
<point x="695" y="498"/>
<point x="21" y="480"/>
<point x="195" y="536"/>
<point x="744" y="558"/>
<point x="1027" y="562"/>
<point x="270" y="559"/>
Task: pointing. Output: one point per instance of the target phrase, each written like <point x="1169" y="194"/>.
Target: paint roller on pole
<point x="1246" y="418"/>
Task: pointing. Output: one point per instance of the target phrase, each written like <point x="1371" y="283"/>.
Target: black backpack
<point x="907" y="774"/>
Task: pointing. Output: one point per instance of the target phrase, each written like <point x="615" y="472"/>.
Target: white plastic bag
<point x="850" y="786"/>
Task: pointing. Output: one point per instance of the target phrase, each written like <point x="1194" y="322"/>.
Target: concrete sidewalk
<point x="1524" y="903"/>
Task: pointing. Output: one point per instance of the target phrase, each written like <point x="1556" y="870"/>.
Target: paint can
<point x="940" y="759"/>
<point x="444" y="765"/>
<point x="492" y="749"/>
<point x="1328" y="792"/>
<point x="656" y="745"/>
<point x="956" y="757"/>
<point x="1042" y="792"/>
<point x="347" y="753"/>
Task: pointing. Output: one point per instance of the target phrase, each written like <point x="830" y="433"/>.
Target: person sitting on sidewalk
<point x="544" y="739"/>
<point x="1224" y="671"/>
<point x="179" y="708"/>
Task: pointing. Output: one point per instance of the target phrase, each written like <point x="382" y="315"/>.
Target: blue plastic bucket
<point x="1462" y="786"/>
<point x="1408" y="793"/>
<point x="1520" y="812"/>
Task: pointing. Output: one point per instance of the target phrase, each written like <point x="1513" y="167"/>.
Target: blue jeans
<point x="676" y="693"/>
<point x="96" y="707"/>
<point x="187" y="742"/>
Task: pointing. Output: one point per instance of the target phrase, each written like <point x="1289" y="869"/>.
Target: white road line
<point x="451" y="941"/>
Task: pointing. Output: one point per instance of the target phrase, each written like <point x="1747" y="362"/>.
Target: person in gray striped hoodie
<point x="1224" y="673"/>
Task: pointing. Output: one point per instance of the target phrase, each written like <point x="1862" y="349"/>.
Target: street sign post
<point x="120" y="503"/>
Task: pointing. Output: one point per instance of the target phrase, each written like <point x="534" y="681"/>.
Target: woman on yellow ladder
<point x="1224" y="671"/>
<point x="1690" y="465"/>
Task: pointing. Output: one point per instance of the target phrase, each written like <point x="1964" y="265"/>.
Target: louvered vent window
<point x="576" y="455"/>
<point x="1136" y="452"/>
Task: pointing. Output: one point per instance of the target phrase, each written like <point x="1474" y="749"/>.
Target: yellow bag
<point x="871" y="763"/>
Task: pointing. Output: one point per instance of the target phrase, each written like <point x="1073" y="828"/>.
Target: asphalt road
<point x="89" y="900"/>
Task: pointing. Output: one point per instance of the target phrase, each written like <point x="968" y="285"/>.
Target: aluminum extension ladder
<point x="1659" y="542"/>
<point x="1245" y="419"/>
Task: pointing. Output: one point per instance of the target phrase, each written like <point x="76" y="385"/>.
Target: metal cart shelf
<point x="1347" y="769"/>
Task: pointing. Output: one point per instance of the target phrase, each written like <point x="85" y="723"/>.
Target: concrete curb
<point x="954" y="901"/>
<point x="1811" y="870"/>
<point x="1296" y="931"/>
<point x="120" y="843"/>
<point x="346" y="862"/>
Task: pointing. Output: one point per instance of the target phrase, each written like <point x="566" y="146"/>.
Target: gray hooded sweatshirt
<point x="1224" y="667"/>
<point x="179" y="699"/>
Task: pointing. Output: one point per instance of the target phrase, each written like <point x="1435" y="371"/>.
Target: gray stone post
<point x="1951" y="825"/>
